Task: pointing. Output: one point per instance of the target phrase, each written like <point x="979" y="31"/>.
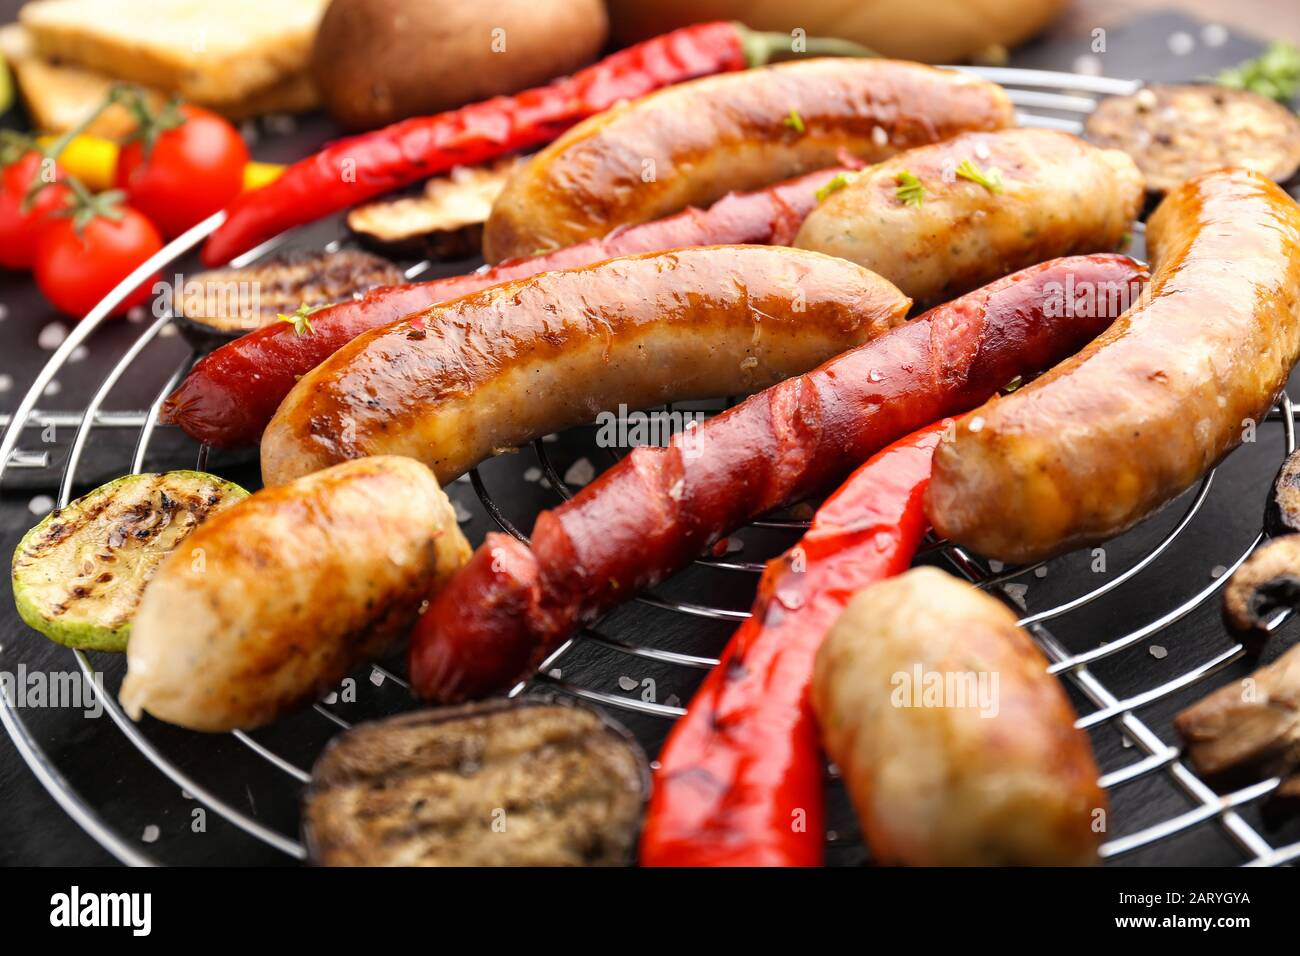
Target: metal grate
<point x="1044" y="99"/>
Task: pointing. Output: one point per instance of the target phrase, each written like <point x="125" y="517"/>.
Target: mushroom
<point x="1252" y="725"/>
<point x="1268" y="582"/>
<point x="1282" y="514"/>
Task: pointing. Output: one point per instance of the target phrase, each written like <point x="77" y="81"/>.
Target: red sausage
<point x="231" y="394"/>
<point x="658" y="508"/>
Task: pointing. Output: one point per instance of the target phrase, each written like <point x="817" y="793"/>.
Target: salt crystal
<point x="52" y="336"/>
<point x="580" y="473"/>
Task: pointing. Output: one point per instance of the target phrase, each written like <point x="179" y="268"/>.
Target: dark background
<point x="151" y="812"/>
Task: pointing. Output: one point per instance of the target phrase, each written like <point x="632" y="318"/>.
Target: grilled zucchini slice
<point x="78" y="575"/>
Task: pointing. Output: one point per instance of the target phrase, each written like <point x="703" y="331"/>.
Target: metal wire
<point x="1039" y="96"/>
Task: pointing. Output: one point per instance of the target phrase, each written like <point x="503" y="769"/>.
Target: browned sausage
<point x="956" y="745"/>
<point x="493" y="370"/>
<point x="1116" y="432"/>
<point x="691" y="143"/>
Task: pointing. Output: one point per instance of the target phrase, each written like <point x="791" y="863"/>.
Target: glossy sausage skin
<point x="497" y="369"/>
<point x="691" y="143"/>
<point x="1059" y="196"/>
<point x="992" y="772"/>
<point x="658" y="508"/>
<point x="1105" y="439"/>
<point x="231" y="393"/>
<point x="284" y="594"/>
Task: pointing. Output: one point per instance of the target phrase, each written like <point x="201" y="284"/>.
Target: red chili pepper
<point x="740" y="777"/>
<point x="362" y="167"/>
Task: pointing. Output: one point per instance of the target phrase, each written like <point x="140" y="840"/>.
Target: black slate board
<point x="139" y="801"/>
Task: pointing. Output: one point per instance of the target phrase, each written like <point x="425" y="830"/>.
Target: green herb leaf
<point x="299" y="318"/>
<point x="795" y="122"/>
<point x="910" y="192"/>
<point x="835" y="185"/>
<point x="1275" y="73"/>
<point x="1012" y="385"/>
<point x="991" y="180"/>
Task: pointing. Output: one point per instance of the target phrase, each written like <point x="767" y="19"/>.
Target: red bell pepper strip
<point x="740" y="777"/>
<point x="361" y="167"/>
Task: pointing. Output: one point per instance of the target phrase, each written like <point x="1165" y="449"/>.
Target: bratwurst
<point x="918" y="220"/>
<point x="659" y="508"/>
<point x="452" y="385"/>
<point x="691" y="143"/>
<point x="272" y="601"/>
<point x="231" y="394"/>
<point x="1106" y="438"/>
<point x="989" y="771"/>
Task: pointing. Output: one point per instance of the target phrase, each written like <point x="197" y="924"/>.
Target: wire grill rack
<point x="1044" y="99"/>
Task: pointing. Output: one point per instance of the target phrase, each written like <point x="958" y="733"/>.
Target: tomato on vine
<point x="181" y="165"/>
<point x="91" y="246"/>
<point x="30" y="191"/>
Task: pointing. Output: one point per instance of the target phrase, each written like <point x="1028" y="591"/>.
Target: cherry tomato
<point x="193" y="170"/>
<point x="74" y="270"/>
<point x="20" y="229"/>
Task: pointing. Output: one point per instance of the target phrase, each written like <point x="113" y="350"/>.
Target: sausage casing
<point x="275" y="602"/>
<point x="230" y="395"/>
<point x="1105" y="438"/>
<point x="956" y="745"/>
<point x="493" y="370"/>
<point x="1058" y="196"/>
<point x="659" y="508"/>
<point x="691" y="143"/>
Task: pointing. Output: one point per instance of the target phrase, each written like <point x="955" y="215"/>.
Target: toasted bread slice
<point x="58" y="97"/>
<point x="208" y="51"/>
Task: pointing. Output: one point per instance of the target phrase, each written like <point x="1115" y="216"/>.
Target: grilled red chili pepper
<point x="362" y="167"/>
<point x="740" y="777"/>
<point x="230" y="395"/>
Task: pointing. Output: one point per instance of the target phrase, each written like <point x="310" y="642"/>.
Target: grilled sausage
<point x="230" y="395"/>
<point x="271" y="602"/>
<point x="1106" y="438"/>
<point x="990" y="773"/>
<point x="1052" y="195"/>
<point x="494" y="370"/>
<point x="689" y="144"/>
<point x="658" y="508"/>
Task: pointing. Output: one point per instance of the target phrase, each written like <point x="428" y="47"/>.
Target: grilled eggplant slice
<point x="497" y="783"/>
<point x="223" y="304"/>
<point x="1176" y="131"/>
<point x="445" y="221"/>
<point x="78" y="575"/>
